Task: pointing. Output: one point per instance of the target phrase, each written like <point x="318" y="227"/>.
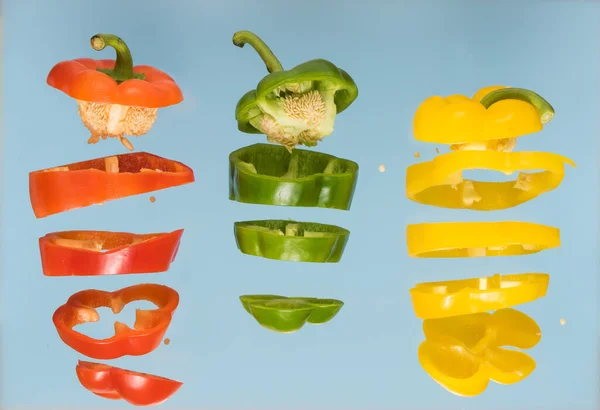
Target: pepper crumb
<point x="437" y="150"/>
<point x="563" y="322"/>
<point x="152" y="199"/>
<point x="417" y="155"/>
<point x="167" y="341"/>
<point x="381" y="168"/>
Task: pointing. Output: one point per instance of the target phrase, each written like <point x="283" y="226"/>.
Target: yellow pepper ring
<point x="439" y="182"/>
<point x="432" y="300"/>
<point x="478" y="239"/>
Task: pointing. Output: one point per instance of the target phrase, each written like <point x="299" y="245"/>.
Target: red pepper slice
<point x="95" y="181"/>
<point x="139" y="389"/>
<point x="79" y="253"/>
<point x="149" y="328"/>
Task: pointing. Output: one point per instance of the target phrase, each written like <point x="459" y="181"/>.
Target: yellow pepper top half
<point x="458" y="119"/>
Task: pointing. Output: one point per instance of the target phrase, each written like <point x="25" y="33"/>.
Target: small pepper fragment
<point x="291" y="240"/>
<point x="432" y="300"/>
<point x="139" y="389"/>
<point x="287" y="315"/>
<point x="479" y="239"/>
<point x="96" y="181"/>
<point x="269" y="175"/>
<point x="114" y="97"/>
<point x="297" y="106"/>
<point x="463" y="353"/>
<point x="492" y="119"/>
<point x="439" y="182"/>
<point x="149" y="328"/>
<point x="80" y="253"/>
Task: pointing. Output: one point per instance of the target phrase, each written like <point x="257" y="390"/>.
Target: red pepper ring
<point x="139" y="389"/>
<point x="149" y="328"/>
<point x="96" y="181"/>
<point x="79" y="253"/>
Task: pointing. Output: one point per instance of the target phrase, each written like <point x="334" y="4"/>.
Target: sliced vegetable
<point x="149" y="328"/>
<point x="440" y="182"/>
<point x="492" y="120"/>
<point x="86" y="253"/>
<point x="96" y="181"/>
<point x="479" y="239"/>
<point x="463" y="353"/>
<point x="297" y="106"/>
<point x="433" y="300"/>
<point x="291" y="240"/>
<point x="114" y="97"/>
<point x="288" y="315"/>
<point x="269" y="175"/>
<point x="139" y="389"/>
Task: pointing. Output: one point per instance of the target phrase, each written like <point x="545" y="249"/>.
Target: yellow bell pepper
<point x="433" y="300"/>
<point x="440" y="182"/>
<point x="463" y="353"/>
<point x="494" y="113"/>
<point x="479" y="239"/>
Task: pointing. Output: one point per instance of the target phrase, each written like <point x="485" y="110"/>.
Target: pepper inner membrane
<point x="97" y="241"/>
<point x="277" y="162"/>
<point x="291" y="228"/>
<point x="126" y="163"/>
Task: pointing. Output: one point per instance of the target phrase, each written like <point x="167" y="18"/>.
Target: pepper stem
<point x="241" y="38"/>
<point x="123" y="69"/>
<point x="545" y="109"/>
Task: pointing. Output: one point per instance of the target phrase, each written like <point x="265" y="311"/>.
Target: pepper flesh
<point x="433" y="300"/>
<point x="297" y="106"/>
<point x="479" y="239"/>
<point x="96" y="181"/>
<point x="291" y="240"/>
<point x="149" y="328"/>
<point x="80" y="253"/>
<point x="463" y="353"/>
<point x="289" y="314"/>
<point x="114" y="97"/>
<point x="440" y="183"/>
<point x="269" y="175"/>
<point x="480" y="123"/>
<point x="139" y="389"/>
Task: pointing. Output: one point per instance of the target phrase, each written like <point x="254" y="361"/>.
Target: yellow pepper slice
<point x="479" y="239"/>
<point x="493" y="113"/>
<point x="440" y="182"/>
<point x="463" y="353"/>
<point x="432" y="300"/>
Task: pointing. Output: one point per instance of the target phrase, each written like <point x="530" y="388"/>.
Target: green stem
<point x="545" y="109"/>
<point x="242" y="38"/>
<point x="123" y="69"/>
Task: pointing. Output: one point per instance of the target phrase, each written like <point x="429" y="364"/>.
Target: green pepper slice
<point x="297" y="106"/>
<point x="269" y="175"/>
<point x="287" y="315"/>
<point x="291" y="240"/>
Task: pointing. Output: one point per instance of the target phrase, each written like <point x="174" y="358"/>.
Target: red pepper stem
<point x="242" y="38"/>
<point x="123" y="69"/>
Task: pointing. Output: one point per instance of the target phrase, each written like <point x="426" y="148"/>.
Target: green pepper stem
<point x="242" y="38"/>
<point x="123" y="69"/>
<point x="545" y="109"/>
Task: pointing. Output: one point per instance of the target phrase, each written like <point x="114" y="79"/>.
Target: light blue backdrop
<point x="366" y="357"/>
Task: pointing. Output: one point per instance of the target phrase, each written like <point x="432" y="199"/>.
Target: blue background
<point x="366" y="357"/>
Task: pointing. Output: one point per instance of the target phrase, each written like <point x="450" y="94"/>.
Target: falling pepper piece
<point x="95" y="181"/>
<point x="114" y="97"/>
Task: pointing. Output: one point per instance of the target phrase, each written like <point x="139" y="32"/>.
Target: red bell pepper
<point x="149" y="328"/>
<point x="78" y="253"/>
<point x="113" y="383"/>
<point x="92" y="182"/>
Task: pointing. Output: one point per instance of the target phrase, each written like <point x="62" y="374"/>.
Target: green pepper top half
<point x="297" y="106"/>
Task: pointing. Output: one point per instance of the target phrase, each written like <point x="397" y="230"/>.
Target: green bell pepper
<point x="287" y="315"/>
<point x="297" y="106"/>
<point x="268" y="174"/>
<point x="291" y="240"/>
